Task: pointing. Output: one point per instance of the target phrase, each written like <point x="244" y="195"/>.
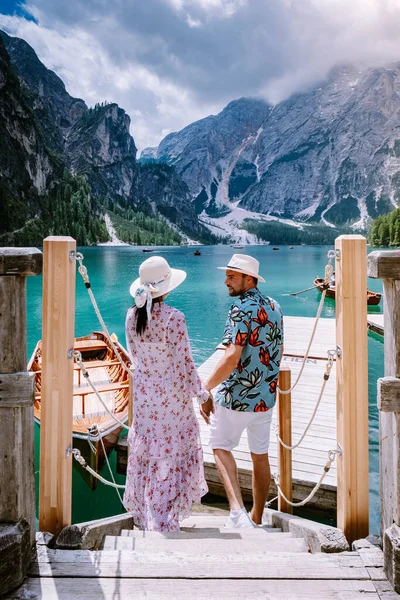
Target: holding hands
<point x="207" y="408"/>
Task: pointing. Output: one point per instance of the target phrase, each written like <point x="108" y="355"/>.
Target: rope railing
<point x="331" y="458"/>
<point x="83" y="272"/>
<point x="329" y="365"/>
<point x="328" y="275"/>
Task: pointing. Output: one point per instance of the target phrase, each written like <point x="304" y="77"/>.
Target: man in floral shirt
<point x="246" y="377"/>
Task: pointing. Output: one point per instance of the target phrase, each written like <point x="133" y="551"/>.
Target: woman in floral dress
<point x="165" y="472"/>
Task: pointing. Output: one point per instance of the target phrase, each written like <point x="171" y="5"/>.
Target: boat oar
<point x="302" y="291"/>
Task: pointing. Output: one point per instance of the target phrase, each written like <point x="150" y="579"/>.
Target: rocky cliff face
<point x="26" y="168"/>
<point x="330" y="155"/>
<point x="95" y="144"/>
<point x="45" y="92"/>
<point x="205" y="152"/>
<point x="159" y="186"/>
<point x="100" y="147"/>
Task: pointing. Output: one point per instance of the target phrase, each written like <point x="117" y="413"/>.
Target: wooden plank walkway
<point x="310" y="458"/>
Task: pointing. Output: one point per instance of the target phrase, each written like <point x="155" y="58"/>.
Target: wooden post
<point x="386" y="266"/>
<point x="285" y="433"/>
<point x="352" y="387"/>
<point x="17" y="477"/>
<point x="59" y="274"/>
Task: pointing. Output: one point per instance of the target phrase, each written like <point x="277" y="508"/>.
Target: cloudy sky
<point x="170" y="62"/>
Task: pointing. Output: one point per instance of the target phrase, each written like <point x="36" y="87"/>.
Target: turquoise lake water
<point x="205" y="301"/>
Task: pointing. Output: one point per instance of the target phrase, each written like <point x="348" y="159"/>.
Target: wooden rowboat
<point x="94" y="431"/>
<point x="373" y="298"/>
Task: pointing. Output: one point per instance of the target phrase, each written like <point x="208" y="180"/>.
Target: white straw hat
<point x="156" y="278"/>
<point x="243" y="263"/>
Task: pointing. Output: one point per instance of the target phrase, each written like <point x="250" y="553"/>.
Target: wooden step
<point x="198" y="532"/>
<point x="189" y="589"/>
<point x="204" y="520"/>
<point x="223" y="544"/>
<point x="174" y="564"/>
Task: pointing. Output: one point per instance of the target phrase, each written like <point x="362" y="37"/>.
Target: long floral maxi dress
<point x="165" y="472"/>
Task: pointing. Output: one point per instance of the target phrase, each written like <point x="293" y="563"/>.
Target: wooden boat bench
<point x="92" y="364"/>
<point x="84" y="391"/>
<point x="108" y="387"/>
<point x="83" y="345"/>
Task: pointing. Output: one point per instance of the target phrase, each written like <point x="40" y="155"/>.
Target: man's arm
<point x="225" y="366"/>
<point x="221" y="372"/>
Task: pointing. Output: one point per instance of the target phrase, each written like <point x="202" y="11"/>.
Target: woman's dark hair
<point x="141" y="318"/>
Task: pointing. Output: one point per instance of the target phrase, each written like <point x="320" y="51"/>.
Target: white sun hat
<point x="156" y="278"/>
<point x="243" y="263"/>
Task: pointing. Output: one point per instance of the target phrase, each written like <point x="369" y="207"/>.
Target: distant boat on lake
<point x="237" y="246"/>
<point x="275" y="248"/>
<point x="197" y="252"/>
<point x="147" y="249"/>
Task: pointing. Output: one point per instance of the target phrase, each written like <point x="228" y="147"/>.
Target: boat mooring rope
<point x="83" y="272"/>
<point x="111" y="473"/>
<point x="79" y="458"/>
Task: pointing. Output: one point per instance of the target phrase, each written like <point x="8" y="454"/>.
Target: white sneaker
<point x="241" y="521"/>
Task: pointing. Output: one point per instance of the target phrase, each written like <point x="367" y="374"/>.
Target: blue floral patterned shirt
<point x="254" y="322"/>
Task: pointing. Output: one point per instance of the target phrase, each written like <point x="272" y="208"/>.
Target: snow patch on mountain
<point x="232" y="224"/>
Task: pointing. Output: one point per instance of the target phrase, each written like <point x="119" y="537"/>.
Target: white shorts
<point x="228" y="425"/>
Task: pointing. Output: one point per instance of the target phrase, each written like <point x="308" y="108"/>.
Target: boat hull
<point x="95" y="431"/>
<point x="373" y="298"/>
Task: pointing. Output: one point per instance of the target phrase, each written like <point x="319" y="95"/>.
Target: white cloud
<point x="169" y="62"/>
<point x="154" y="105"/>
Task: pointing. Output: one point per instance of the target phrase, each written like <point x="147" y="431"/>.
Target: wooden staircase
<point x="205" y="560"/>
